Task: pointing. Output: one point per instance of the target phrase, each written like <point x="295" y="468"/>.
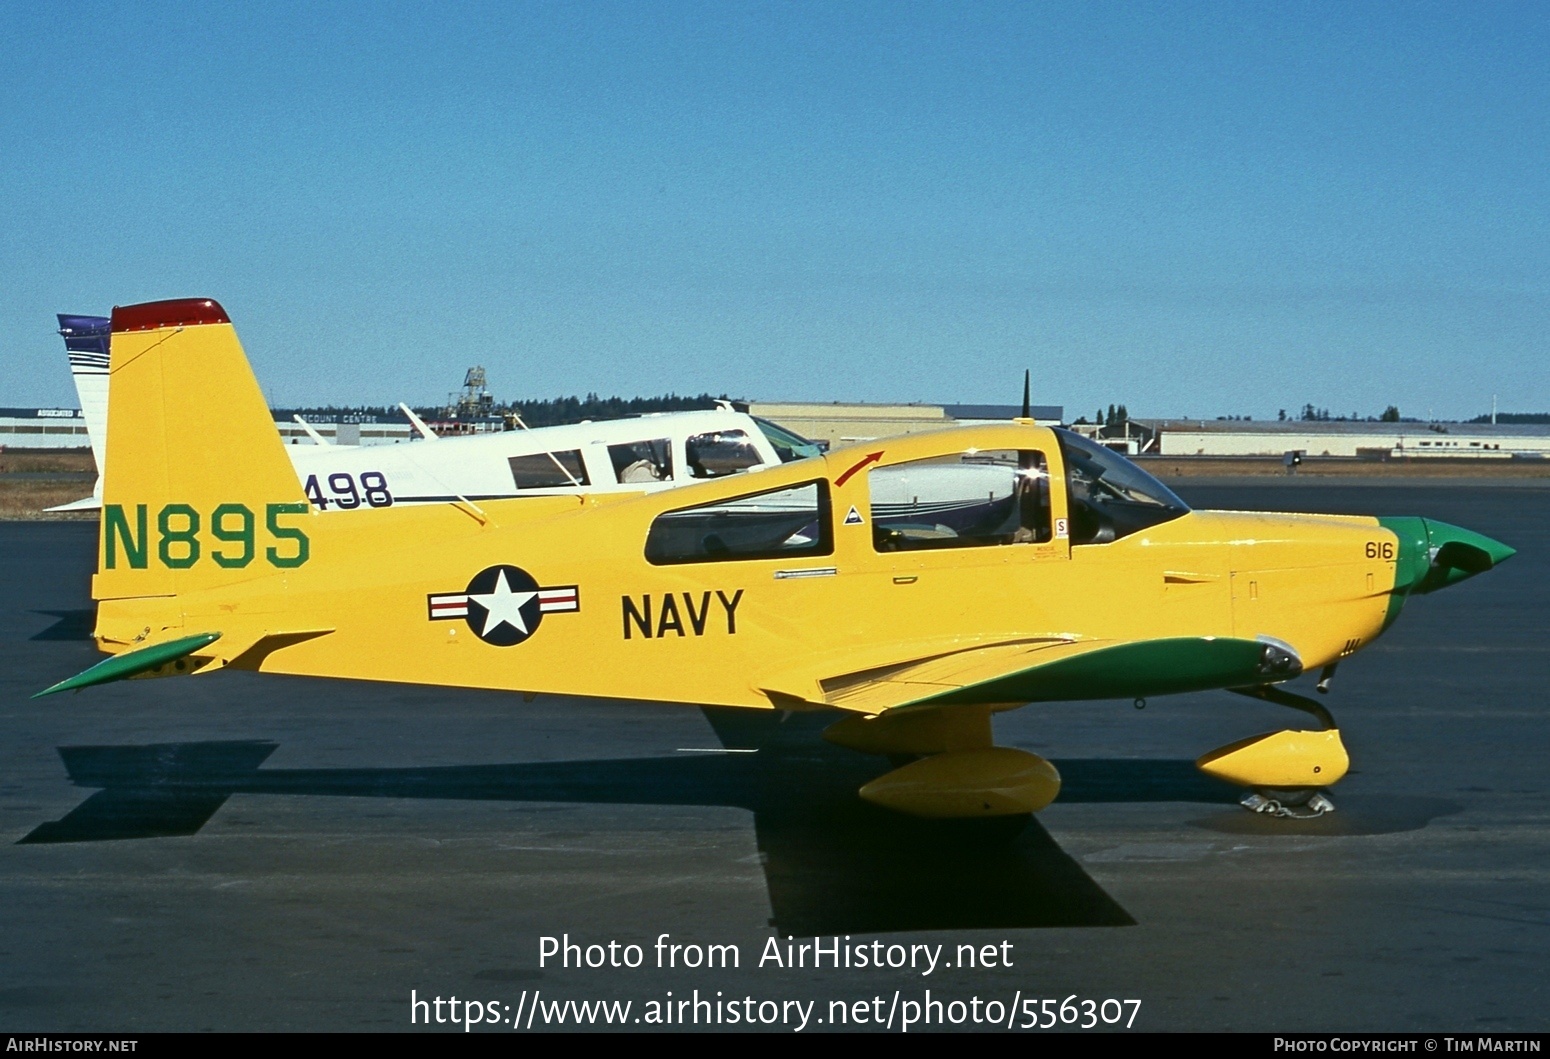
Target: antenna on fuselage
<point x="1027" y="462"/>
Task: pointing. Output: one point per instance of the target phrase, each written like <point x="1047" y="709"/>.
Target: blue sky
<point x="1195" y="209"/>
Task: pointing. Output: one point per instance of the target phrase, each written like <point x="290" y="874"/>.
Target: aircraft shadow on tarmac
<point x="68" y="624"/>
<point x="833" y="863"/>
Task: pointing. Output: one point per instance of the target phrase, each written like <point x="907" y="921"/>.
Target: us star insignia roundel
<point x="503" y="605"/>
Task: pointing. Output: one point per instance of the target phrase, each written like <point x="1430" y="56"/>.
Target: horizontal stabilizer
<point x="132" y="663"/>
<point x="86" y="503"/>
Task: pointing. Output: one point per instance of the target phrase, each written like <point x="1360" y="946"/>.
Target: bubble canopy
<point x="1110" y="497"/>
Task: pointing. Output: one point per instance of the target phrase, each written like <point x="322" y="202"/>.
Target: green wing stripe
<point x="132" y="662"/>
<point x="1149" y="667"/>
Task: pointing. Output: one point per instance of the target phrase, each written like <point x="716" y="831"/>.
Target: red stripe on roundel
<point x="558" y="599"/>
<point x="178" y="312"/>
<point x="449" y="607"/>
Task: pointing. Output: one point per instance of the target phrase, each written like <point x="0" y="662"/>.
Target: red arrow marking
<point x="871" y="457"/>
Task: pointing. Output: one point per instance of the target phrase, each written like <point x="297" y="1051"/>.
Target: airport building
<point x="847" y="423"/>
<point x="353" y="431"/>
<point x="836" y="423"/>
<point x="843" y="424"/>
<point x="42" y="428"/>
<point x="65" y="428"/>
<point x="1245" y="437"/>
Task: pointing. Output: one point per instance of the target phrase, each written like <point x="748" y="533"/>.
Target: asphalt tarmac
<point x="242" y="852"/>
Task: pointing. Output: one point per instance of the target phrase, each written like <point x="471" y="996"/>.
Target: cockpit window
<point x="967" y="500"/>
<point x="1110" y="496"/>
<point x="642" y="462"/>
<point x="719" y="453"/>
<point x="788" y="446"/>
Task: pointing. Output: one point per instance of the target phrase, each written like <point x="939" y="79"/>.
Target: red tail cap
<point x="179" y="312"/>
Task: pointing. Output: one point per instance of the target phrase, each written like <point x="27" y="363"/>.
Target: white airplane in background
<point x="946" y="505"/>
<point x="644" y="453"/>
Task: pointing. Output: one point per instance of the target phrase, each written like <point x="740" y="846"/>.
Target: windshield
<point x="788" y="446"/>
<point x="1110" y="496"/>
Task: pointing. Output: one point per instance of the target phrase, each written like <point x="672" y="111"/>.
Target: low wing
<point x="890" y="686"/>
<point x="1039" y="669"/>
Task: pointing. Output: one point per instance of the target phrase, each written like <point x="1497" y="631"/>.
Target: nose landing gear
<point x="1287" y="771"/>
<point x="1294" y="805"/>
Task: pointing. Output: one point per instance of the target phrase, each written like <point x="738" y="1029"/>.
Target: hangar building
<point x="842" y="424"/>
<point x="1243" y="437"/>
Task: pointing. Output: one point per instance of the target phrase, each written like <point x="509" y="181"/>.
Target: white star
<point x="503" y="606"/>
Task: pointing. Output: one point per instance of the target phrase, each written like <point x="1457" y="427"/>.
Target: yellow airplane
<point x="1009" y="564"/>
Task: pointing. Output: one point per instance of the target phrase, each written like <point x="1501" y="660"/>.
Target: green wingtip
<point x="130" y="663"/>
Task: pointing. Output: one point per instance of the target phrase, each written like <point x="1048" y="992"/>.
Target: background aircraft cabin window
<point x="720" y="452"/>
<point x="548" y="470"/>
<point x="1110" y="496"/>
<point x="770" y="525"/>
<point x="642" y="462"/>
<point x="788" y="446"/>
<point x="966" y="500"/>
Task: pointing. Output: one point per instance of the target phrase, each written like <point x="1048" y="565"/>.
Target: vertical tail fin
<point x="199" y="490"/>
<point x="86" y="344"/>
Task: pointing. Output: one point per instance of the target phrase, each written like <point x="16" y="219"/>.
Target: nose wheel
<point x="1304" y="804"/>
<point x="1287" y="772"/>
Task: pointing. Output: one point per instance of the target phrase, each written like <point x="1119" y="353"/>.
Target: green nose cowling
<point x="1434" y="555"/>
